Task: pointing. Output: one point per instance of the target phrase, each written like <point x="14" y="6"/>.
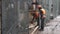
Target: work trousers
<point x="40" y="22"/>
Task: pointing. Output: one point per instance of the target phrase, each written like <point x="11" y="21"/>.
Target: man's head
<point x="39" y="6"/>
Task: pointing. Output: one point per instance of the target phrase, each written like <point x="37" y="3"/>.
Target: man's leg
<point x="38" y="21"/>
<point x="32" y="20"/>
<point x="42" y="24"/>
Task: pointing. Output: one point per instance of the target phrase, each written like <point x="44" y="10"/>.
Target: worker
<point x="34" y="12"/>
<point x="42" y="14"/>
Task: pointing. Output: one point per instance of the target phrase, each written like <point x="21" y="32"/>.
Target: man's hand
<point x="44" y="16"/>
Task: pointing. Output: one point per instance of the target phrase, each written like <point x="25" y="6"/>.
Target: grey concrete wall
<point x="0" y="15"/>
<point x="55" y="7"/>
<point x="14" y="21"/>
<point x="47" y="5"/>
<point x="59" y="7"/>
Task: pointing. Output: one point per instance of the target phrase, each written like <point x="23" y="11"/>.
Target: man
<point x="34" y="11"/>
<point x="42" y="16"/>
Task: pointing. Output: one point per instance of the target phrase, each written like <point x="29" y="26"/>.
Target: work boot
<point x="41" y="29"/>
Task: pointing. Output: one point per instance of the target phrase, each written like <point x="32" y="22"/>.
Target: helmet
<point x="39" y="6"/>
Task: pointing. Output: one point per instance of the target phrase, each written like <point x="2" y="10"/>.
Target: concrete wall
<point x="14" y="19"/>
<point x="55" y="7"/>
<point x="59" y="7"/>
<point x="47" y="4"/>
<point x="0" y="14"/>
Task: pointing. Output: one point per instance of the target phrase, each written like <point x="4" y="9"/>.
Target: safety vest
<point x="37" y="13"/>
<point x="43" y="11"/>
